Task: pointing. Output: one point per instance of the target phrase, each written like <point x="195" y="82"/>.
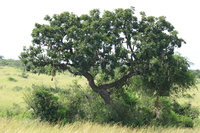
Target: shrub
<point x="174" y="114"/>
<point x="24" y="75"/>
<point x="187" y="95"/>
<point x="75" y="103"/>
<point x="12" y="79"/>
<point x="186" y="109"/>
<point x="44" y="104"/>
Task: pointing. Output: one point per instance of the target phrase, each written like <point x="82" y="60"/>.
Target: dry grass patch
<point x="27" y="126"/>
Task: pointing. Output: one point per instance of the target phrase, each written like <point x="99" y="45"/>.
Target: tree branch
<point x="65" y="67"/>
<point x="90" y="79"/>
<point x="117" y="82"/>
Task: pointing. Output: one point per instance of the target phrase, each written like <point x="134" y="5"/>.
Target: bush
<point x="174" y="114"/>
<point x="186" y="109"/>
<point x="187" y="95"/>
<point x="12" y="79"/>
<point x="44" y="104"/>
<point x="76" y="103"/>
<point x="24" y="75"/>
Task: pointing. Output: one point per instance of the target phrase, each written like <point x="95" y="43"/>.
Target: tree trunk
<point x="155" y="115"/>
<point x="106" y="96"/>
<point x="102" y="89"/>
<point x="156" y="102"/>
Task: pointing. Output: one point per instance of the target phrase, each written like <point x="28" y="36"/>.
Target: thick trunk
<point x="106" y="96"/>
<point x="102" y="92"/>
<point x="102" y="89"/>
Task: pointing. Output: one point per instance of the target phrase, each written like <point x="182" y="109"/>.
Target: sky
<point x="17" y="19"/>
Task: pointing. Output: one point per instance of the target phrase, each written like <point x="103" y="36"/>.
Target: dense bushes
<point x="174" y="114"/>
<point x="75" y="103"/>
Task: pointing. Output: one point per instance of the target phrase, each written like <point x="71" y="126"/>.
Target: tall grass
<point x="27" y="126"/>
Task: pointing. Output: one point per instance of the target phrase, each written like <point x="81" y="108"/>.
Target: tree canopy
<point x="1" y="57"/>
<point x="103" y="43"/>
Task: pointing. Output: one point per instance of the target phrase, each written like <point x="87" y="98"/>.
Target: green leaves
<point x="112" y="41"/>
<point x="168" y="75"/>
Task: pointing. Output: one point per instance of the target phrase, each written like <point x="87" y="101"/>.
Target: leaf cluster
<point x="95" y="43"/>
<point x="100" y="41"/>
<point x="169" y="76"/>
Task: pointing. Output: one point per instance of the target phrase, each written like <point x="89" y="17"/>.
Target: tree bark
<point x="106" y="96"/>
<point x="156" y="102"/>
<point x="155" y="115"/>
<point x="102" y="89"/>
<point x="102" y="92"/>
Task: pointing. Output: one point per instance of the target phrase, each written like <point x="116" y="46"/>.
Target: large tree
<point x="102" y="43"/>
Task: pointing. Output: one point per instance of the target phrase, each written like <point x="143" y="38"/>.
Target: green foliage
<point x="1" y="57"/>
<point x="77" y="104"/>
<point x="44" y="104"/>
<point x="114" y="41"/>
<point x="196" y="73"/>
<point x="24" y="75"/>
<point x="110" y="51"/>
<point x="11" y="63"/>
<point x="187" y="95"/>
<point x="171" y="113"/>
<point x="170" y="77"/>
<point x="14" y="111"/>
<point x="12" y="79"/>
<point x="186" y="109"/>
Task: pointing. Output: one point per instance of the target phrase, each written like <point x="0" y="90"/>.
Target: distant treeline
<point x="196" y="72"/>
<point x="11" y="63"/>
<point x="18" y="64"/>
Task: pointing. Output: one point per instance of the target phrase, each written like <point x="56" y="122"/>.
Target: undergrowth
<point x="76" y="103"/>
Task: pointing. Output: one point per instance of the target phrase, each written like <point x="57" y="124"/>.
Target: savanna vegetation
<point x="107" y="70"/>
<point x="17" y="114"/>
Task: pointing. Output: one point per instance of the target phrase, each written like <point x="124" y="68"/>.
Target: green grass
<point x="13" y="85"/>
<point x="11" y="101"/>
<point x="194" y="93"/>
<point x="61" y="80"/>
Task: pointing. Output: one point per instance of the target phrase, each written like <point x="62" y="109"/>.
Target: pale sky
<point x="19" y="16"/>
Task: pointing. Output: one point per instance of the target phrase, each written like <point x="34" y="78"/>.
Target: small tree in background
<point x="88" y="45"/>
<point x="1" y="57"/>
<point x="167" y="76"/>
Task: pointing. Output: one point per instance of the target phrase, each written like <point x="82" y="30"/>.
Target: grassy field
<point x="11" y="91"/>
<point x="13" y="85"/>
<point x="30" y="126"/>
